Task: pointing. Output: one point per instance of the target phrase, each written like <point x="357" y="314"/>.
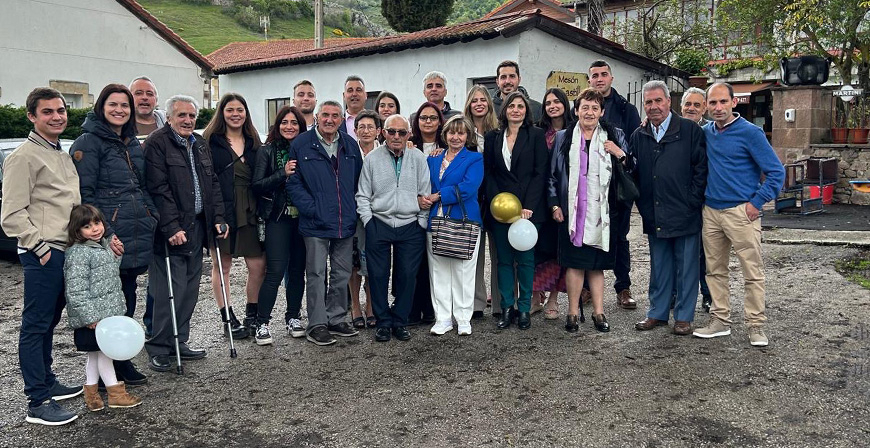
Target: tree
<point x="416" y="15"/>
<point x="830" y="28"/>
<point x="666" y="29"/>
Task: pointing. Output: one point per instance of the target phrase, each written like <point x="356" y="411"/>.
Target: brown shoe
<point x="585" y="296"/>
<point x="649" y="323"/>
<point x="92" y="398"/>
<point x="119" y="398"/>
<point x="624" y="300"/>
<point x="682" y="328"/>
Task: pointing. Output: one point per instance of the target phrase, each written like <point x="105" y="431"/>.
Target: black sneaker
<point x="343" y="329"/>
<point x="295" y="328"/>
<point x="60" y="392"/>
<point x="264" y="336"/>
<point x="320" y="336"/>
<point x="49" y="413"/>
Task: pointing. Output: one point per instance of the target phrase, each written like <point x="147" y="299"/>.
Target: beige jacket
<point x="40" y="188"/>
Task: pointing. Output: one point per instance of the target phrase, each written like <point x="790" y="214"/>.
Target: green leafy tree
<point x="836" y="28"/>
<point x="666" y="29"/>
<point x="468" y="10"/>
<point x="416" y="15"/>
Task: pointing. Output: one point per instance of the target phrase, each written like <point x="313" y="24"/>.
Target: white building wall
<point x="541" y="53"/>
<point x="400" y="73"/>
<point x="96" y="42"/>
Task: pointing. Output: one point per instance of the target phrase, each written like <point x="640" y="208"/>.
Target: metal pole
<point x="318" y="23"/>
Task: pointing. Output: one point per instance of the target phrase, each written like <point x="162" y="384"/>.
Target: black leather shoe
<point x="524" y="322"/>
<point x="507" y="317"/>
<point x="189" y="354"/>
<point x="600" y="323"/>
<point x="382" y="334"/>
<point x="571" y="323"/>
<point x="401" y="333"/>
<point x="477" y="315"/>
<point x="160" y="363"/>
<point x="706" y="302"/>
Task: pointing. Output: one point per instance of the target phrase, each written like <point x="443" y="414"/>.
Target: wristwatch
<point x="555" y="207"/>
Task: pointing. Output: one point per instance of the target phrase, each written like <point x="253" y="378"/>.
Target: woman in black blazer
<point x="515" y="161"/>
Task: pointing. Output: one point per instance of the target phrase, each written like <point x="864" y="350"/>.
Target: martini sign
<point x="847" y="93"/>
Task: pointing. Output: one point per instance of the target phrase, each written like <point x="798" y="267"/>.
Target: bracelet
<point x="553" y="210"/>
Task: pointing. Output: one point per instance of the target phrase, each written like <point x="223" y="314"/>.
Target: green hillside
<point x="207" y="28"/>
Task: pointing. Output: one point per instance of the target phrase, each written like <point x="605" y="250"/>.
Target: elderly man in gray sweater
<point x="391" y="201"/>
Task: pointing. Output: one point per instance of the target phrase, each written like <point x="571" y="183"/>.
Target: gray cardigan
<point x="93" y="283"/>
<point x="393" y="201"/>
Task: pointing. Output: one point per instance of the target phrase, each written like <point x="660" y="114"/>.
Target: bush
<point x="203" y="118"/>
<point x="691" y="60"/>
<point x="14" y="122"/>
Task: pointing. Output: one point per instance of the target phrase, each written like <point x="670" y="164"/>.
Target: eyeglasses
<point x="368" y="127"/>
<point x="428" y="117"/>
<point x="401" y="132"/>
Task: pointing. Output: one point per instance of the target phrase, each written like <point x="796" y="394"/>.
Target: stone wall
<point x="812" y="105"/>
<point x="854" y="164"/>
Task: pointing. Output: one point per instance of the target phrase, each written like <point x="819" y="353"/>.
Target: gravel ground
<point x="541" y="387"/>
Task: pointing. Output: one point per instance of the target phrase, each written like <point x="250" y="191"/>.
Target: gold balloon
<point x="506" y="208"/>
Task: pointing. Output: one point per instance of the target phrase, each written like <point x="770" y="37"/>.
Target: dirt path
<point x="542" y="387"/>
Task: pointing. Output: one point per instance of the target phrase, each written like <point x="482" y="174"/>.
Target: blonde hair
<point x="490" y="120"/>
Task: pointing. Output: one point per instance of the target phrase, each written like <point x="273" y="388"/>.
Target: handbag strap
<point x="461" y="204"/>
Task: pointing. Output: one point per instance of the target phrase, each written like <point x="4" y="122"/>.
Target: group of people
<point x="339" y="196"/>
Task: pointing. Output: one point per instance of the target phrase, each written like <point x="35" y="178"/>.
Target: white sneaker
<point x="441" y="327"/>
<point x="464" y="328"/>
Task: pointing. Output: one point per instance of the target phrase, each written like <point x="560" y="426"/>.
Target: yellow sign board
<point x="571" y="83"/>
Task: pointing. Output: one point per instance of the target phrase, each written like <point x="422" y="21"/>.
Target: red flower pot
<point x="858" y="136"/>
<point x="839" y="135"/>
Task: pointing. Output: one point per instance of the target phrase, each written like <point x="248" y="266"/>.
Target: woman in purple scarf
<point x="582" y="198"/>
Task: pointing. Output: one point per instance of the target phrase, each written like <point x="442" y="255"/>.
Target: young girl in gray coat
<point x="93" y="293"/>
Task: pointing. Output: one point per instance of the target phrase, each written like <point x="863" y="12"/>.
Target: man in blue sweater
<point x="737" y="154"/>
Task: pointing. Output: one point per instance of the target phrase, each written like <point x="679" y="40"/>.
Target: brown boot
<point x="92" y="398"/>
<point x="119" y="398"/>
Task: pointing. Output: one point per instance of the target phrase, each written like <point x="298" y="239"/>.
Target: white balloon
<point x="120" y="337"/>
<point x="522" y="235"/>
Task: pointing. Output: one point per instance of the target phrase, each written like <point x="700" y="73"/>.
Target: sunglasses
<point x="401" y="132"/>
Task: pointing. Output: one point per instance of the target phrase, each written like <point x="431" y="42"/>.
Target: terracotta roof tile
<point x="506" y="25"/>
<point x="511" y="3"/>
<point x="160" y="28"/>
<point x="239" y="52"/>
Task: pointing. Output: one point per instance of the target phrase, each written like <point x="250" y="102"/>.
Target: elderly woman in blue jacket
<point x="456" y="175"/>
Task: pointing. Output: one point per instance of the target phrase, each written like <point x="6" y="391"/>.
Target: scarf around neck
<point x="580" y="230"/>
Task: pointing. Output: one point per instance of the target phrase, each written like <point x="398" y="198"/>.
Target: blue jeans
<point x="673" y="267"/>
<point x="43" y="304"/>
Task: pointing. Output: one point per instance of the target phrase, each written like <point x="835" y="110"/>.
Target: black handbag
<point x="626" y="189"/>
<point x="454" y="238"/>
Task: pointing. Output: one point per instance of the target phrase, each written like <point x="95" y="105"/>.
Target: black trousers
<point x="128" y="286"/>
<point x="285" y="253"/>
<point x="408" y="244"/>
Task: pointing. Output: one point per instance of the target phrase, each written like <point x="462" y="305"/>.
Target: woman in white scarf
<point x="582" y="194"/>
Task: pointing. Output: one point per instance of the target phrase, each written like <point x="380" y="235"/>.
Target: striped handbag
<point x="454" y="238"/>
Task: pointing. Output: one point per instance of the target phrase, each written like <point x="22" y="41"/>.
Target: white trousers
<point x="452" y="283"/>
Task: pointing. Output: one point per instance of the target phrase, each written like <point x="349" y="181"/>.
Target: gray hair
<point x="143" y="78"/>
<point x="656" y="84"/>
<point x="395" y="117"/>
<point x="332" y="103"/>
<point x="691" y="91"/>
<point x="170" y="103"/>
<point x="432" y="75"/>
<point x="354" y="78"/>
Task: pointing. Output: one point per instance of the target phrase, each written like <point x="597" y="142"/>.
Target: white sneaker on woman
<point x="464" y="328"/>
<point x="441" y="327"/>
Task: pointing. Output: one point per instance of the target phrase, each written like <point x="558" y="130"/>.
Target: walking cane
<point x="217" y="250"/>
<point x="179" y="369"/>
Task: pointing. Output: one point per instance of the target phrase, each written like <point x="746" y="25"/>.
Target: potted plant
<point x="839" y="132"/>
<point x="857" y="123"/>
